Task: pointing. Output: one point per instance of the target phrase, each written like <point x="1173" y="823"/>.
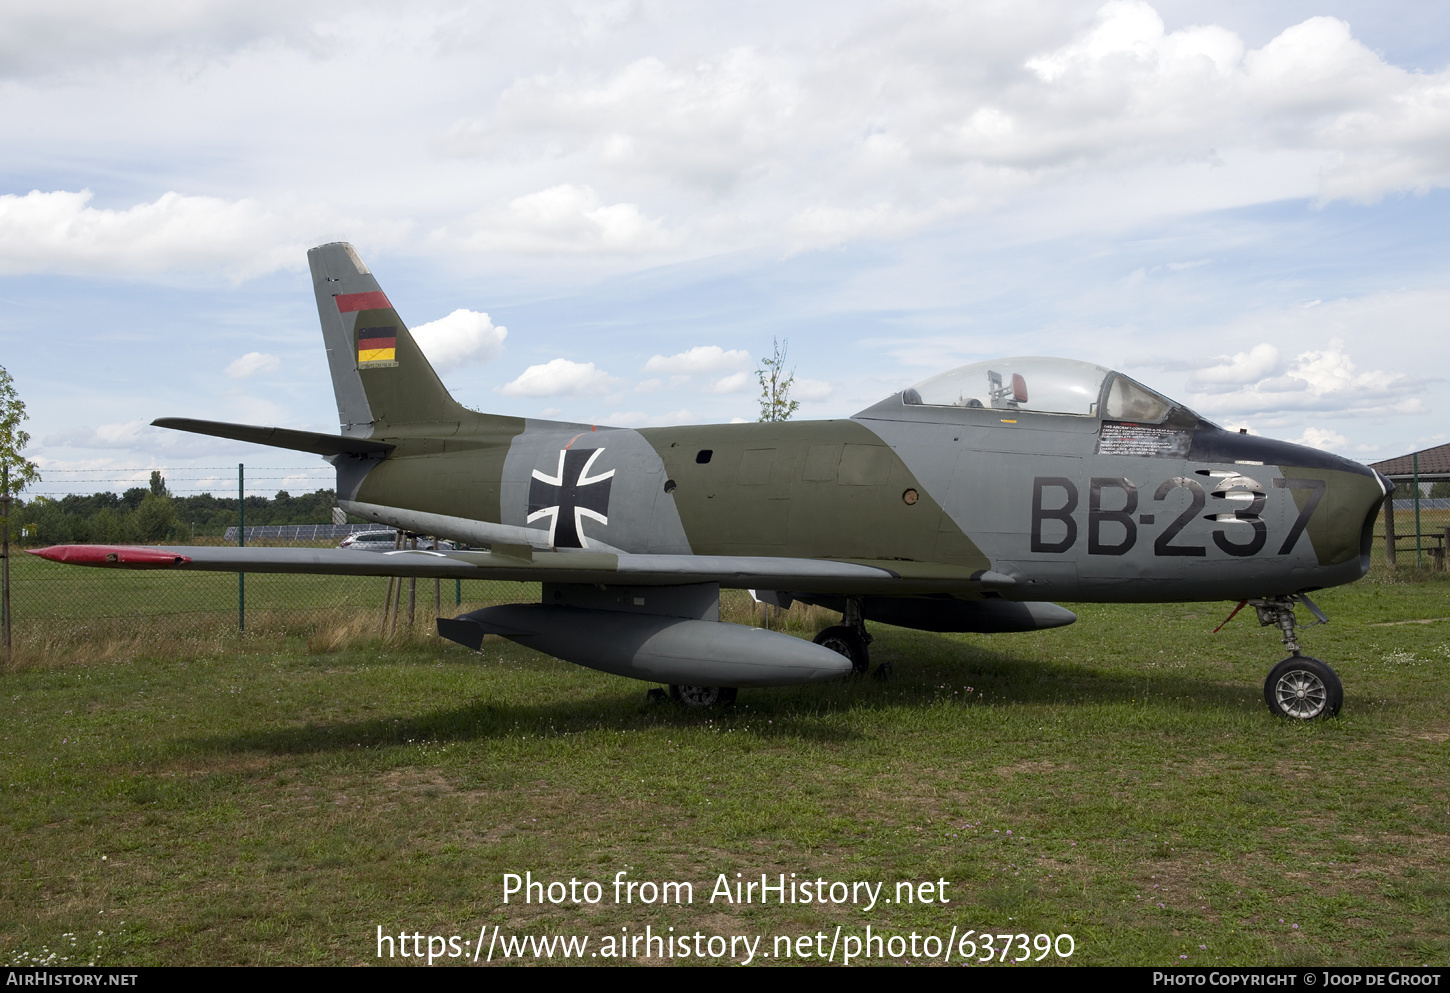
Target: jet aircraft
<point x="967" y="503"/>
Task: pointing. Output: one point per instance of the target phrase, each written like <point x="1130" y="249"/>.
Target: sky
<point x="611" y="211"/>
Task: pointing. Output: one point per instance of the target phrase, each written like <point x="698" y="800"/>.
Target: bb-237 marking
<point x="1164" y="544"/>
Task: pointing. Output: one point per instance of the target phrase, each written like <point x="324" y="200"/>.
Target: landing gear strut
<point x="850" y="638"/>
<point x="1300" y="688"/>
<point x="702" y="696"/>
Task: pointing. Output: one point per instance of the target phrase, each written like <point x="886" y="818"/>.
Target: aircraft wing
<point x="522" y="563"/>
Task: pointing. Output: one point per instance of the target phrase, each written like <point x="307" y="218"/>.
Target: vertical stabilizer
<point x="380" y="375"/>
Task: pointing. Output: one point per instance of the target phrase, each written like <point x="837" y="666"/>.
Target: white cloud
<point x="46" y="35"/>
<point x="126" y="434"/>
<point x="811" y="389"/>
<point x="251" y="364"/>
<point x="730" y="384"/>
<point x="1324" y="380"/>
<point x="564" y="219"/>
<point x="61" y="232"/>
<point x="639" y="419"/>
<point x="462" y="338"/>
<point x="701" y="358"/>
<point x="1242" y="367"/>
<point x="1322" y="438"/>
<point x="559" y="377"/>
<point x="809" y="131"/>
<point x="705" y="124"/>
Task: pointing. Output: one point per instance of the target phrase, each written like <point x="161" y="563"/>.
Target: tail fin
<point x="380" y="375"/>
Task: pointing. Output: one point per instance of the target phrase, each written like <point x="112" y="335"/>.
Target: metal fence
<point x="302" y="532"/>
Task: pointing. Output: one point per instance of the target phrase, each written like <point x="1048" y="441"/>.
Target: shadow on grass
<point x="928" y="671"/>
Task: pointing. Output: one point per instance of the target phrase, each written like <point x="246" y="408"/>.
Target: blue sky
<point x="607" y="211"/>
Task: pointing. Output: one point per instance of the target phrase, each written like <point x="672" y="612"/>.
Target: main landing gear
<point x="1300" y="688"/>
<point x="850" y="638"/>
<point x="703" y="696"/>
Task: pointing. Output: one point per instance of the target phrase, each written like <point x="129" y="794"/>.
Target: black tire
<point x="702" y="696"/>
<point x="848" y="642"/>
<point x="1303" y="689"/>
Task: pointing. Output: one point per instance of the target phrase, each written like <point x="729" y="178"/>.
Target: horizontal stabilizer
<point x="298" y="441"/>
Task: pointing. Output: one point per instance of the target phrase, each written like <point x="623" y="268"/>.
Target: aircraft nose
<point x="1335" y="501"/>
<point x="1352" y="499"/>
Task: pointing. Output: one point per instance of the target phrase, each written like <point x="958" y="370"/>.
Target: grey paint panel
<point x="641" y="516"/>
<point x="336" y="269"/>
<point x="457" y="528"/>
<point x="663" y="649"/>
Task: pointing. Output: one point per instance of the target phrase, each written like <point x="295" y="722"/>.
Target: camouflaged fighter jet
<point x="965" y="503"/>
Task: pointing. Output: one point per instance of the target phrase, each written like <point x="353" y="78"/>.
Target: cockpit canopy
<point x="1050" y="386"/>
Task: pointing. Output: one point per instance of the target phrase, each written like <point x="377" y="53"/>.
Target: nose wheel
<point x="1303" y="689"/>
<point x="1299" y="688"/>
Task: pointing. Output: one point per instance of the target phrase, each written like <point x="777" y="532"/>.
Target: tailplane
<point x="384" y="383"/>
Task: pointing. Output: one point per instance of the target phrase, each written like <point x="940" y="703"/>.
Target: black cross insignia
<point x="566" y="504"/>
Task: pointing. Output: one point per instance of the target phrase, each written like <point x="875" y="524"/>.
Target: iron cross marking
<point x="570" y="496"/>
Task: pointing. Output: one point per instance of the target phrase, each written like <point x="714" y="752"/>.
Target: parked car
<point x="385" y="540"/>
<point x="371" y="541"/>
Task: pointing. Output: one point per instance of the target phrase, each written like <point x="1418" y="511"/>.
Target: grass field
<point x="260" y="801"/>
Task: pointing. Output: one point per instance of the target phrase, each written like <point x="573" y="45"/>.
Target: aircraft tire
<point x="1303" y="689"/>
<point x="702" y="696"/>
<point x="846" y="641"/>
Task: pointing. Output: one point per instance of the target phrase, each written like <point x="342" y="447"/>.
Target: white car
<point x="371" y="541"/>
<point x="385" y="541"/>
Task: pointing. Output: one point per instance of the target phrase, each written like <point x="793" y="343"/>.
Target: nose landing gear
<point x="1299" y="688"/>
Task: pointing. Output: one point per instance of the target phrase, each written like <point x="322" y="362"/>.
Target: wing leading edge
<point x="525" y="564"/>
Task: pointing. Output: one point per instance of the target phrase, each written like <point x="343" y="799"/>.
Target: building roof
<point x="1434" y="462"/>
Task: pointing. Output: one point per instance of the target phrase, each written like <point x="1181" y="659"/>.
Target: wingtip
<point x="111" y="555"/>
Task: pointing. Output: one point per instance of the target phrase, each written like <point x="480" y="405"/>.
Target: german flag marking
<point x="377" y="345"/>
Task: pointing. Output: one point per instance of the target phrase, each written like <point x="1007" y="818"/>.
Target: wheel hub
<point x="1301" y="694"/>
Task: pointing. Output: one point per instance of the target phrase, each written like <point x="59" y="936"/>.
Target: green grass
<point x="1120" y="780"/>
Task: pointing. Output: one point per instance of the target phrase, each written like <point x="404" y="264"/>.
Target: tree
<point x="158" y="484"/>
<point x="20" y="470"/>
<point x="155" y="519"/>
<point x="775" y="384"/>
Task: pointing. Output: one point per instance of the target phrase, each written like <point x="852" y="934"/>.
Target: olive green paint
<point x="1336" y="528"/>
<point x="449" y="459"/>
<point x="818" y="489"/>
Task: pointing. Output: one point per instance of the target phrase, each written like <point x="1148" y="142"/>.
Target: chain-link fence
<point x="59" y="605"/>
<point x="56" y="607"/>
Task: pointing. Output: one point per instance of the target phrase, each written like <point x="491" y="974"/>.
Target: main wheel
<point x="848" y="642"/>
<point x="702" y="696"/>
<point x="1303" y="689"/>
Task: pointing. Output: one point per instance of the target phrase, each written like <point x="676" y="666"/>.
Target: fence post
<point x="1415" y="463"/>
<point x="1390" y="529"/>
<point x="241" y="543"/>
<point x="5" y="558"/>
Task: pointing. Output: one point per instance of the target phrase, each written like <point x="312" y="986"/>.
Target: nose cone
<point x="1337" y="500"/>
